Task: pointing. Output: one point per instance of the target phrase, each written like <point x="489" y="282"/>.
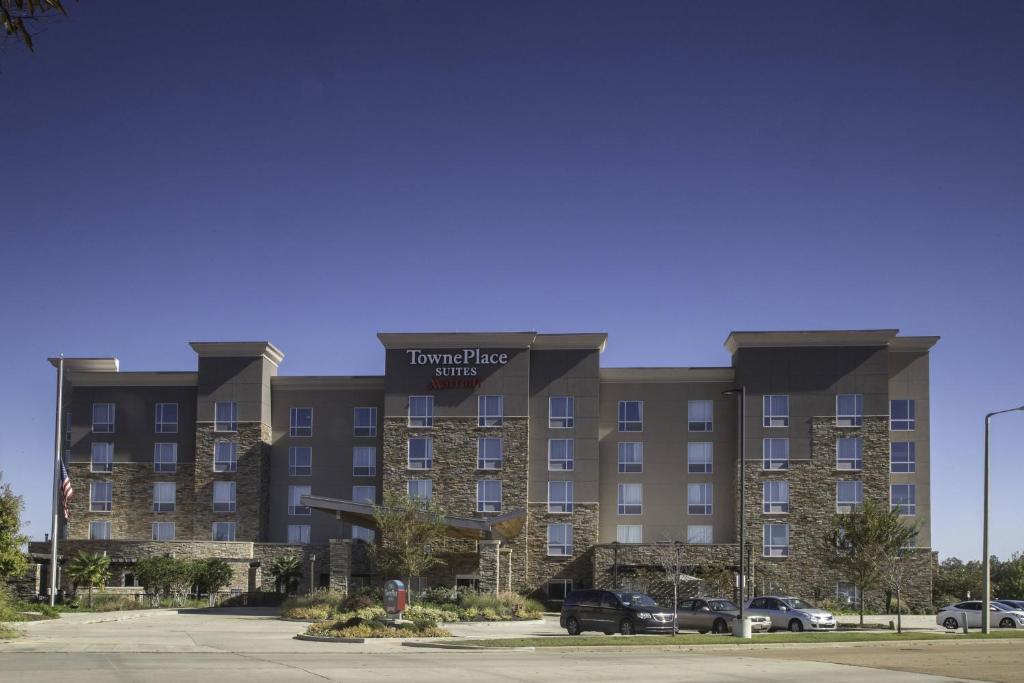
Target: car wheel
<point x="951" y="623"/>
<point x="1007" y="623"/>
<point x="626" y="627"/>
<point x="719" y="626"/>
<point x="796" y="626"/>
<point x="572" y="626"/>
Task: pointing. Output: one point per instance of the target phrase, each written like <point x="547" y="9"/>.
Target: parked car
<point x="715" y="615"/>
<point x="1015" y="604"/>
<point x="792" y="613"/>
<point x="1001" y="615"/>
<point x="613" y="612"/>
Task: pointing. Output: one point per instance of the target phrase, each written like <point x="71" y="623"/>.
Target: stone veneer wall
<point x="251" y="479"/>
<point x="579" y="566"/>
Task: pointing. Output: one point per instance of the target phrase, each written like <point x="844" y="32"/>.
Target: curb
<point x="331" y="639"/>
<point x="459" y="646"/>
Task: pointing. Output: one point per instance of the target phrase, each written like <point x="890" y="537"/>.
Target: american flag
<point x="65" y="489"/>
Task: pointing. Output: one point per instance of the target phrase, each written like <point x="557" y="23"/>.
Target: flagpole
<point x="56" y="482"/>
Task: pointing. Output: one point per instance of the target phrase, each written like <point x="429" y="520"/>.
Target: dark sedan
<point x="613" y="612"/>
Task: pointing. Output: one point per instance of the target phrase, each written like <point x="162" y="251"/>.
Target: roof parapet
<point x="251" y="349"/>
<point x="738" y="340"/>
<point x="97" y="364"/>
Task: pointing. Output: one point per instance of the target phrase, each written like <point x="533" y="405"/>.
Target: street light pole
<point x="986" y="562"/>
<point x="742" y="394"/>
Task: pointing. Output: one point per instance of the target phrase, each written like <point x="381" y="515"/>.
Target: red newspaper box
<point x="395" y="597"/>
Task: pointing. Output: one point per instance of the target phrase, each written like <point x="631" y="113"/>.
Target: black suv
<point x="613" y="612"/>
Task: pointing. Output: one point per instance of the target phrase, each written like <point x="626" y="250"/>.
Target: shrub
<point x="358" y="601"/>
<point x="440" y="595"/>
<point x="376" y="629"/>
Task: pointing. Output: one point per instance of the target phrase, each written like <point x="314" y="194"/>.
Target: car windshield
<point x="797" y="603"/>
<point x="636" y="600"/>
<point x="722" y="605"/>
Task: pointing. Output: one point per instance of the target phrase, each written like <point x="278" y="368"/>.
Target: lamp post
<point x="987" y="589"/>
<point x="742" y="394"/>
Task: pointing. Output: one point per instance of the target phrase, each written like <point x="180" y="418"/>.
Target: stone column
<point x="490" y="569"/>
<point x="341" y="564"/>
<point x="506" y="579"/>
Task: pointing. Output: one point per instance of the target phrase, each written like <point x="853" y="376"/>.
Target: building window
<point x="561" y="412"/>
<point x="629" y="533"/>
<point x="364" y="461"/>
<point x="225" y="416"/>
<point x="912" y="541"/>
<point x="775" y="454"/>
<point x="631" y="457"/>
<point x="699" y="416"/>
<point x="421" y="489"/>
<point x="103" y="418"/>
<point x="698" y="457"/>
<point x="295" y="494"/>
<point x="488" y="495"/>
<point x="364" y="421"/>
<point x="902" y="456"/>
<point x="776" y="540"/>
<point x="223" y="531"/>
<point x="559" y="496"/>
<point x="902" y="415"/>
<point x="631" y="499"/>
<point x="225" y="456"/>
<point x="489" y="410"/>
<point x="361" y="533"/>
<point x="559" y="588"/>
<point x="223" y="496"/>
<point x="904" y="498"/>
<point x="488" y="453"/>
<point x="163" y="496"/>
<point x="99" y="531"/>
<point x="300" y="422"/>
<point x="165" y="457"/>
<point x="849" y="410"/>
<point x="421" y="453"/>
<point x="560" y="454"/>
<point x="421" y="411"/>
<point x="776" y="497"/>
<point x="300" y="461"/>
<point x="631" y="416"/>
<point x="850" y="454"/>
<point x="699" y="533"/>
<point x="163" y="531"/>
<point x="559" y="540"/>
<point x="102" y="457"/>
<point x="847" y="593"/>
<point x="776" y="410"/>
<point x="849" y="496"/>
<point x="166" y="418"/>
<point x="364" y="494"/>
<point x="698" y="499"/>
<point x="101" y="496"/>
<point x="298" y="534"/>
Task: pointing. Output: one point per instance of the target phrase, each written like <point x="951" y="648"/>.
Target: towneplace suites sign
<point x="458" y="369"/>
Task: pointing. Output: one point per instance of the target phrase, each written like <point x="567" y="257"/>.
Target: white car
<point x="1001" y="615"/>
<point x="792" y="613"/>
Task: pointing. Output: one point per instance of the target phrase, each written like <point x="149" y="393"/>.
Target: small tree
<point x="409" y="529"/>
<point x="12" y="560"/>
<point x="894" y="538"/>
<point x="155" y="574"/>
<point x="286" y="571"/>
<point x="852" y="544"/>
<point x="669" y="556"/>
<point x="212" y="575"/>
<point x="89" y="569"/>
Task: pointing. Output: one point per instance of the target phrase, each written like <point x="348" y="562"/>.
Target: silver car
<point x="792" y="613"/>
<point x="1001" y="615"/>
<point x="715" y="615"/>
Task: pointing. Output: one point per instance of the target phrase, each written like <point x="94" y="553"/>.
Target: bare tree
<point x="15" y="13"/>
<point x="668" y="555"/>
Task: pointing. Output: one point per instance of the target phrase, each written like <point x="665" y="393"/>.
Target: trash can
<point x="741" y="627"/>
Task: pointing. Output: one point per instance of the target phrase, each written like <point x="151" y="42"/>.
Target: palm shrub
<point x="286" y="570"/>
<point x="89" y="569"/>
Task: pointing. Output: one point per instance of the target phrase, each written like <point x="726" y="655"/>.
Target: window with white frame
<point x="364" y="421"/>
<point x="103" y="418"/>
<point x="421" y="453"/>
<point x="629" y="533"/>
<point x="362" y="533"/>
<point x="560" y="496"/>
<point x="698" y="499"/>
<point x="699" y="455"/>
<point x="225" y="416"/>
<point x="295" y="506"/>
<point x="776" y="410"/>
<point x="559" y="540"/>
<point x="850" y="453"/>
<point x="488" y="495"/>
<point x="300" y="422"/>
<point x="561" y="412"/>
<point x="364" y="494"/>
<point x="560" y="454"/>
<point x="847" y="593"/>
<point x="223" y="531"/>
<point x="558" y="589"/>
<point x="699" y="533"/>
<point x="102" y="457"/>
<point x="99" y="531"/>
<point x="364" y="461"/>
<point x="849" y="496"/>
<point x="163" y="531"/>
<point x="421" y="411"/>
<point x="849" y="410"/>
<point x="902" y="415"/>
<point x="700" y="416"/>
<point x="775" y="454"/>
<point x="490" y="410"/>
<point x="904" y="498"/>
<point x="299" y="533"/>
<point x="101" y="496"/>
<point x="776" y="540"/>
<point x="488" y="453"/>
<point x="631" y="499"/>
<point x="631" y="416"/>
<point x="902" y="456"/>
<point x="166" y="418"/>
<point x="225" y="456"/>
<point x="165" y="457"/>
<point x="163" y="496"/>
<point x="223" y="496"/>
<point x="776" y="497"/>
<point x="421" y="489"/>
<point x="300" y="461"/>
<point x="631" y="457"/>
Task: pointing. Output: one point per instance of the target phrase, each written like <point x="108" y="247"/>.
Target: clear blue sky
<point x="313" y="173"/>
